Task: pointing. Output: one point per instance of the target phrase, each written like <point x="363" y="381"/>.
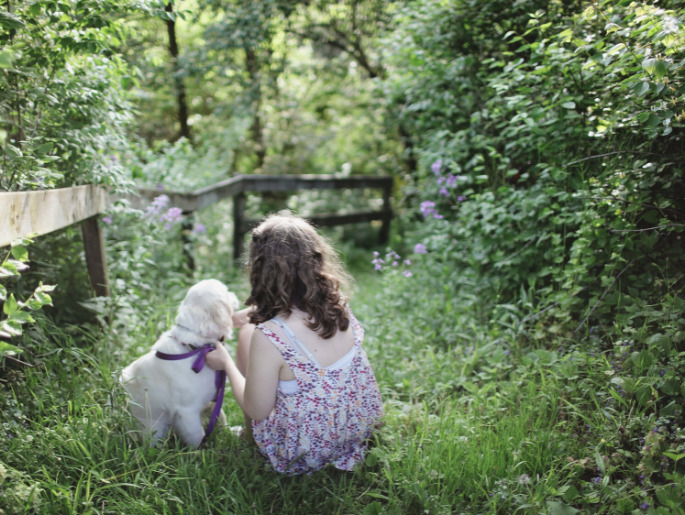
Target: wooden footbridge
<point x="35" y="213"/>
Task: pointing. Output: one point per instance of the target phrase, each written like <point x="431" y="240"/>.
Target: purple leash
<point x="197" y="366"/>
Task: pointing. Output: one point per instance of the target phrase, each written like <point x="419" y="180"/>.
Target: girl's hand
<point x="218" y="359"/>
<point x="240" y="318"/>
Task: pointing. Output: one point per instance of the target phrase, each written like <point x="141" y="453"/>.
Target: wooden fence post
<point x="96" y="262"/>
<point x="384" y="235"/>
<point x="187" y="241"/>
<point x="238" y="222"/>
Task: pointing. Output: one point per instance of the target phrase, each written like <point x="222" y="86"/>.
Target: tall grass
<point x="476" y="426"/>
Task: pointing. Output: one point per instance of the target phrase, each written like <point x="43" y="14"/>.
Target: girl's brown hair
<point x="292" y="266"/>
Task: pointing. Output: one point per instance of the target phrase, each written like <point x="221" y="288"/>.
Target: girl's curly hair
<point x="292" y="266"/>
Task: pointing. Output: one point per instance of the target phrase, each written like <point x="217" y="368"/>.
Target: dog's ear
<point x="233" y="302"/>
<point x="230" y="305"/>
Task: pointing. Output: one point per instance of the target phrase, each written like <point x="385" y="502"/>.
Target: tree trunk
<point x="252" y="65"/>
<point x="178" y="81"/>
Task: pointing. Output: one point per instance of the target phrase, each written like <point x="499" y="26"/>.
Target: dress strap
<point x="295" y="341"/>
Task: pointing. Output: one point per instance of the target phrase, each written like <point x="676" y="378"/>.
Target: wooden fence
<point x="40" y="212"/>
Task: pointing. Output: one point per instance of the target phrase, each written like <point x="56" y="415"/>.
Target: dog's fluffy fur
<point x="168" y="394"/>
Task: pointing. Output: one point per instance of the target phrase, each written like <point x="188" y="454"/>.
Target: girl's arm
<point x="263" y="370"/>
<point x="256" y="391"/>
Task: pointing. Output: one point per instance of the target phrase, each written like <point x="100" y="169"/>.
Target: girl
<point x="301" y="376"/>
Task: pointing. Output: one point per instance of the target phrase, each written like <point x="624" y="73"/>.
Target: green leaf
<point x="6" y="59"/>
<point x="655" y="67"/>
<point x="12" y="267"/>
<point x="660" y="70"/>
<point x="615" y="49"/>
<point x="45" y="148"/>
<point x="558" y="508"/>
<point x="22" y="317"/>
<point x="674" y="456"/>
<point x="10" y="307"/>
<point x="46" y="287"/>
<point x="641" y="88"/>
<point x="10" y="20"/>
<point x="5" y="348"/>
<point x="571" y="493"/>
<point x="13" y="151"/>
<point x="20" y="253"/>
<point x="569" y="105"/>
<point x="9" y="329"/>
<point x="8" y="270"/>
<point x="42" y="298"/>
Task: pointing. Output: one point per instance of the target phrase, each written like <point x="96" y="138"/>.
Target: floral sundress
<point x="331" y="415"/>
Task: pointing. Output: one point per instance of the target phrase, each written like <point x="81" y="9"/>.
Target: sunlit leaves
<point x="55" y="92"/>
<point x="17" y="313"/>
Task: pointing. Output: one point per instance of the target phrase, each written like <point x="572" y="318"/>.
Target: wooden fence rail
<point x="26" y="213"/>
<point x="41" y="212"/>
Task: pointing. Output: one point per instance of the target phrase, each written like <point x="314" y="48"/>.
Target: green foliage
<point x="17" y="313"/>
<point x="551" y="200"/>
<point x="566" y="146"/>
<point x="63" y="111"/>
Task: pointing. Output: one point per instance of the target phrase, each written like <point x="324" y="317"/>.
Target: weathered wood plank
<point x="143" y="197"/>
<point x="306" y="182"/>
<point x="40" y="212"/>
<point x="328" y="220"/>
<point x="208" y="195"/>
<point x="219" y="191"/>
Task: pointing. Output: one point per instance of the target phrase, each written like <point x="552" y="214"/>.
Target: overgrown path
<point x="480" y="425"/>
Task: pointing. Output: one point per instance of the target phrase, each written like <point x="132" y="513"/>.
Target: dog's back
<point x="168" y="394"/>
<point x="162" y="392"/>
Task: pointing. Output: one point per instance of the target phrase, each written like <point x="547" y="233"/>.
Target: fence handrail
<point x="41" y="212"/>
<point x="203" y="197"/>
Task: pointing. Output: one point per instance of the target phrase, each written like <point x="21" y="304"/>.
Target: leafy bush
<point x="17" y="312"/>
<point x="61" y="95"/>
<point x="549" y="198"/>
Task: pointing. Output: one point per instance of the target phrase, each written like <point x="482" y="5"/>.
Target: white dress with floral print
<point x="328" y="419"/>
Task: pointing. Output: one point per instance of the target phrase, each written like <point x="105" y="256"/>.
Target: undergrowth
<point x="490" y="421"/>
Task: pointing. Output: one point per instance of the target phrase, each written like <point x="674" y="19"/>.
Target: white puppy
<point x="165" y="392"/>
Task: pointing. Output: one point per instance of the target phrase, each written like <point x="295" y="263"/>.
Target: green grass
<point x="473" y="427"/>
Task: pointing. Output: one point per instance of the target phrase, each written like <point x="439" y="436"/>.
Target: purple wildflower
<point x="420" y="248"/>
<point x="443" y="191"/>
<point x="407" y="273"/>
<point x="377" y="262"/>
<point x="199" y="228"/>
<point x="452" y="180"/>
<point x="171" y="216"/>
<point x="461" y="198"/>
<point x="427" y="207"/>
<point x="107" y="219"/>
<point x="158" y="204"/>
<point x="644" y="506"/>
<point x="436" y="167"/>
